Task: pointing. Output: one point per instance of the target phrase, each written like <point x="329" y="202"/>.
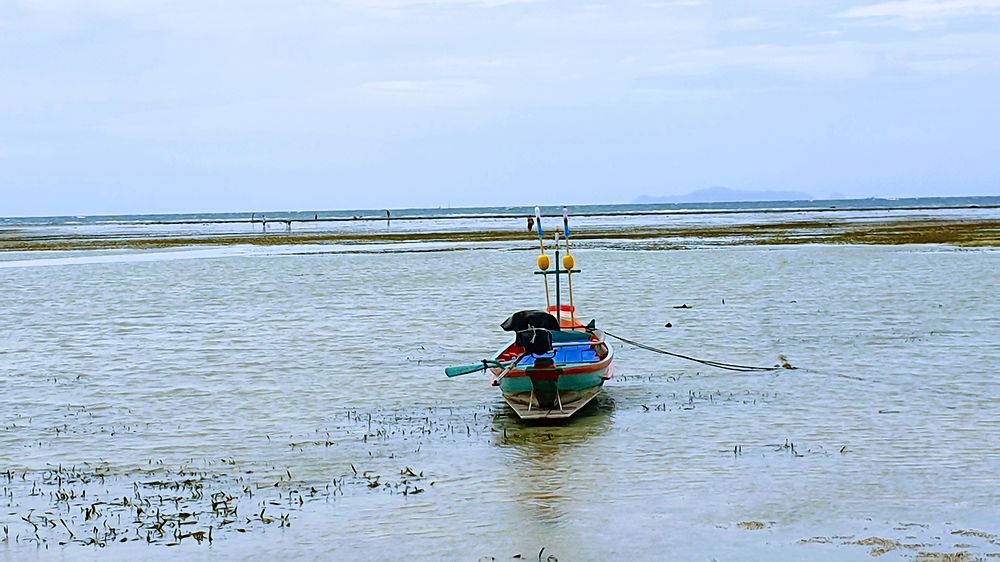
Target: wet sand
<point x="967" y="233"/>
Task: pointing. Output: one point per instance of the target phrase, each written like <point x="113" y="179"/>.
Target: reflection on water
<point x="541" y="459"/>
<point x="309" y="388"/>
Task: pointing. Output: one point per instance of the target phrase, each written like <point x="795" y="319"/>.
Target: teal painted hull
<point x="520" y="385"/>
<point x="557" y="389"/>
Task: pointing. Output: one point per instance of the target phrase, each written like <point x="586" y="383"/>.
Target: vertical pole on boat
<point x="558" y="307"/>
<point x="541" y="247"/>
<point x="569" y="266"/>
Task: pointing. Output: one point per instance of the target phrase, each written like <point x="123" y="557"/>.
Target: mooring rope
<point x="710" y="363"/>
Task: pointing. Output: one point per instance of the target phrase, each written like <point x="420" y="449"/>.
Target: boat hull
<point x="558" y="397"/>
<point x="556" y="391"/>
<point x="526" y="408"/>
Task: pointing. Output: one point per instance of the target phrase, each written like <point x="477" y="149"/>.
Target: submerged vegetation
<point x="955" y="232"/>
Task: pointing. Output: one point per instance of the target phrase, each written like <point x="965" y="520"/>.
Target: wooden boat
<point x="558" y="384"/>
<point x="554" y="365"/>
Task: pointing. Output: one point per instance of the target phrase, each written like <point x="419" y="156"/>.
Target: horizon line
<point x="449" y="207"/>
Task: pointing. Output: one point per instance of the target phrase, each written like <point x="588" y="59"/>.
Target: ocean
<point x="872" y="203"/>
<point x="290" y="402"/>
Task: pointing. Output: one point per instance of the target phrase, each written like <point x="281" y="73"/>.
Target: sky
<point x="131" y="106"/>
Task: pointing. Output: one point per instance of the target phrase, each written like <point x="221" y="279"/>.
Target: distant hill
<point x="725" y="194"/>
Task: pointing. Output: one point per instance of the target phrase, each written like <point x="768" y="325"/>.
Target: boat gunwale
<point x="574" y="370"/>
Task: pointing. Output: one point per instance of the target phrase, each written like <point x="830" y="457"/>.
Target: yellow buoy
<point x="543" y="262"/>
<point x="568" y="261"/>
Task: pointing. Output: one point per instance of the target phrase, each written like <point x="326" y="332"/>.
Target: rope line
<point x="710" y="363"/>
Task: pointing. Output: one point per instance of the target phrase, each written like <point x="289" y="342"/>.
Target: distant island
<point x="725" y="195"/>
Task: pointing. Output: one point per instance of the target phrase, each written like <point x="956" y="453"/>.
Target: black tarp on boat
<point x="525" y="319"/>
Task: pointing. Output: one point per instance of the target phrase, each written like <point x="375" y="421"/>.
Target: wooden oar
<point x="511" y="366"/>
<point x="485" y="364"/>
<point x="468" y="369"/>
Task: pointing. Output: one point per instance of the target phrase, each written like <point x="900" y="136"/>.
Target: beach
<point x="968" y="221"/>
<point x="203" y="390"/>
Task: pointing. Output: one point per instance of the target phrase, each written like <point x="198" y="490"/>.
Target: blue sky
<point x="120" y="106"/>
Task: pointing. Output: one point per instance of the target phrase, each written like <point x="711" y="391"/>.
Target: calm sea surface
<point x="871" y="203"/>
<point x="307" y="388"/>
<point x="478" y="219"/>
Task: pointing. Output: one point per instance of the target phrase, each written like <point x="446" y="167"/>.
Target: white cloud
<point x="444" y="3"/>
<point x="826" y="61"/>
<point x="92" y="6"/>
<point x="424" y="92"/>
<point x="748" y="23"/>
<point x="946" y="55"/>
<point x="942" y="67"/>
<point x="189" y="69"/>
<point x="919" y="13"/>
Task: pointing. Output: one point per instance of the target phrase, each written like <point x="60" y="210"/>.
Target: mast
<point x="565" y="265"/>
<point x="568" y="263"/>
<point x="543" y="259"/>
<point x="558" y="304"/>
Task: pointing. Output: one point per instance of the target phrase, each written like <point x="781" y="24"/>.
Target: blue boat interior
<point x="582" y="353"/>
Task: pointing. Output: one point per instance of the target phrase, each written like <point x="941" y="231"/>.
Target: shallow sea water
<point x="315" y="380"/>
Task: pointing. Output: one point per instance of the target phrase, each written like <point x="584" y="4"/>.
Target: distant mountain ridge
<point x="725" y="195"/>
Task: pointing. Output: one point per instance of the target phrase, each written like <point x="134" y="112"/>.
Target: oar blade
<point x="469" y="369"/>
<point x="464" y="370"/>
